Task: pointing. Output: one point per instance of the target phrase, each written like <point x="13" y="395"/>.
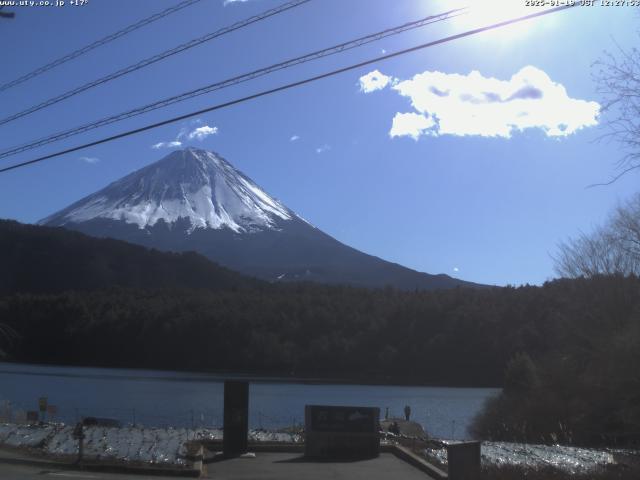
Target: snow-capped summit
<point x="194" y="200"/>
<point x="190" y="184"/>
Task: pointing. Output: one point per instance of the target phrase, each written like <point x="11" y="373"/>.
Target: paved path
<point x="272" y="466"/>
<point x="26" y="472"/>
<point x="265" y="466"/>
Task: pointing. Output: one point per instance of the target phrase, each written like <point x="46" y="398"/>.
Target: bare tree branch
<point x="613" y="248"/>
<point x="617" y="78"/>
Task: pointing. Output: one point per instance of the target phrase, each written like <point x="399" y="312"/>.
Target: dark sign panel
<point x="464" y="461"/>
<point x="236" y="418"/>
<point x="344" y="419"/>
<point x="341" y="431"/>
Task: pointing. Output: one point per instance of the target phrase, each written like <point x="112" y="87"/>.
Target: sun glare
<point x="487" y="12"/>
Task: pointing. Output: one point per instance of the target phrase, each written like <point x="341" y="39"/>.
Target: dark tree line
<point x="584" y="386"/>
<point x="307" y="330"/>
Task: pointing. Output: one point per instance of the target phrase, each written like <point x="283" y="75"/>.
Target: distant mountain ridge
<point x="195" y="200"/>
<point x="38" y="259"/>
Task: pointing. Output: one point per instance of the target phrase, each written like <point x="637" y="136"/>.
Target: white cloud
<point x="173" y="144"/>
<point x="323" y="148"/>
<point x="227" y="2"/>
<point x="454" y="104"/>
<point x="203" y="132"/>
<point x="199" y="133"/>
<point x="294" y="138"/>
<point x="373" y="81"/>
<point x="89" y="159"/>
<point x="456" y="269"/>
<point x="410" y="124"/>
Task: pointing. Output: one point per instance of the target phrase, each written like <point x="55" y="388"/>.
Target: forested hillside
<point x="46" y="260"/>
<point x="463" y="337"/>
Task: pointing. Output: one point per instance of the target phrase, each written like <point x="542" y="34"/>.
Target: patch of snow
<point x="139" y="444"/>
<point x="568" y="459"/>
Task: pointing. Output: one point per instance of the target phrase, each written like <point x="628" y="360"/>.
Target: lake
<point x="164" y="398"/>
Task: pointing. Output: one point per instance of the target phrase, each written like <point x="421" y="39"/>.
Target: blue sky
<point x="470" y="199"/>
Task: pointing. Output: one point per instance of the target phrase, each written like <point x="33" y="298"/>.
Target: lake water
<point x="163" y="398"/>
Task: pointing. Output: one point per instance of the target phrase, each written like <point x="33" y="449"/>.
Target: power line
<point x="156" y="58"/>
<point x="234" y="81"/>
<point x="289" y="86"/>
<point x="6" y="14"/>
<point x="98" y="43"/>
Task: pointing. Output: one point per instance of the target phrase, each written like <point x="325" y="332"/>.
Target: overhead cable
<point x="98" y="43"/>
<point x="232" y="81"/>
<point x="156" y="58"/>
<point x="287" y="86"/>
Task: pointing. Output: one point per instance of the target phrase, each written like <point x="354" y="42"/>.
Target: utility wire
<point x="156" y="58"/>
<point x="6" y="14"/>
<point x="289" y="86"/>
<point x="234" y="81"/>
<point x="98" y="43"/>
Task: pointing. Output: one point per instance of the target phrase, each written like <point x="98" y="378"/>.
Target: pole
<point x="78" y="432"/>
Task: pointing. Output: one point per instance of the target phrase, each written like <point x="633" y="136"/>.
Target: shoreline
<point x="221" y="375"/>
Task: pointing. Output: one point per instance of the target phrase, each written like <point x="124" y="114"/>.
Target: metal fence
<point x="11" y="412"/>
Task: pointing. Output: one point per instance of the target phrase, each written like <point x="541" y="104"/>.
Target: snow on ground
<point x="163" y="446"/>
<point x="168" y="446"/>
<point x="568" y="459"/>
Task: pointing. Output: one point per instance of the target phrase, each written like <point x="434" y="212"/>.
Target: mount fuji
<point x="195" y="200"/>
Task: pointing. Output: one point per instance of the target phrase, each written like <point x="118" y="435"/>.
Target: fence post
<point x="78" y="433"/>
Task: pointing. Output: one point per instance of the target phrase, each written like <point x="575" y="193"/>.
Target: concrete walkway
<point x="270" y="466"/>
<point x="31" y="472"/>
<point x="264" y="466"/>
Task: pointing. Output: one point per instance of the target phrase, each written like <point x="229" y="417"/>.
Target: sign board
<point x="52" y="410"/>
<point x="42" y="403"/>
<point x="342" y="431"/>
<point x="236" y="418"/>
<point x="32" y="416"/>
<point x="464" y="461"/>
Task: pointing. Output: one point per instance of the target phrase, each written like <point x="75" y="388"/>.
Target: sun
<point x="479" y="13"/>
<point x="493" y="11"/>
